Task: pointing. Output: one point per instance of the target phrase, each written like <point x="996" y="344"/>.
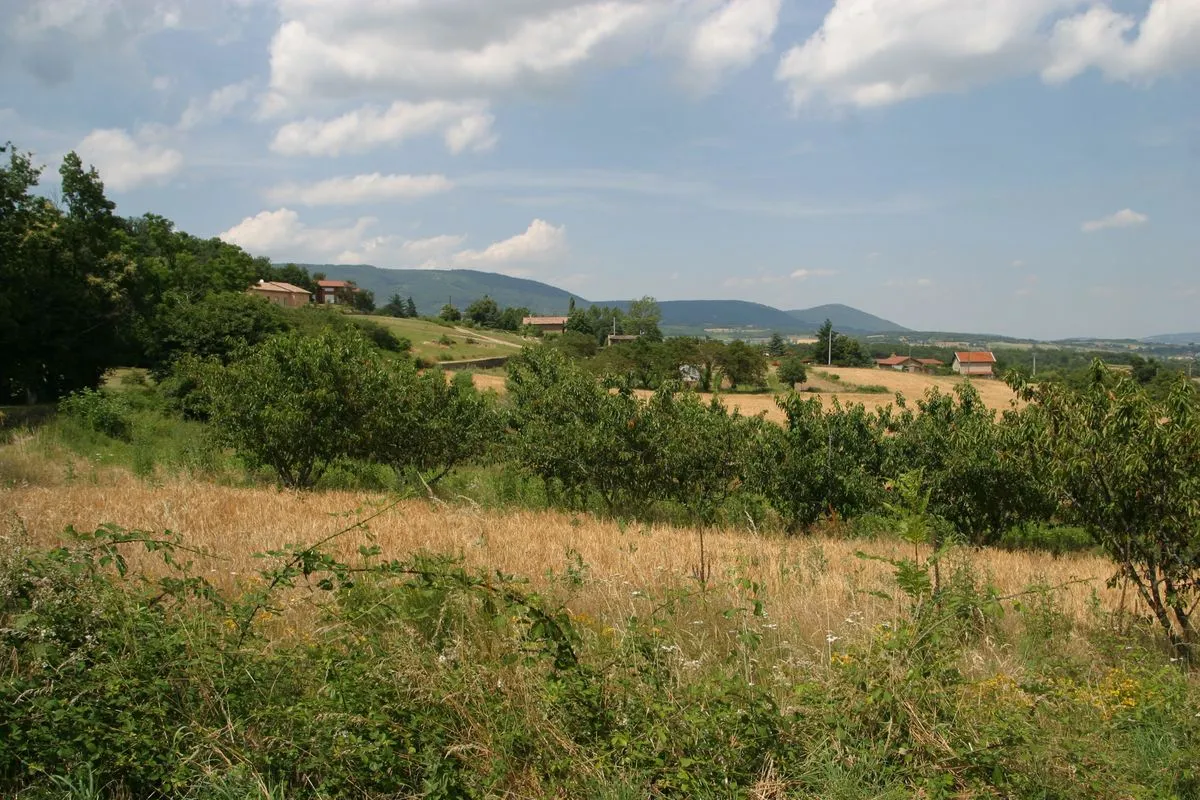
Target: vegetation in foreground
<point x="373" y="676"/>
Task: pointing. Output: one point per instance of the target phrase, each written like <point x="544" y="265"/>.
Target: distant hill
<point x="1173" y="338"/>
<point x="846" y="318"/>
<point x="431" y="288"/>
<point x="699" y="314"/>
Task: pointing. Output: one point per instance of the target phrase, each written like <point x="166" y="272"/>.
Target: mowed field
<point x="426" y="340"/>
<point x="995" y="393"/>
<point x="814" y="586"/>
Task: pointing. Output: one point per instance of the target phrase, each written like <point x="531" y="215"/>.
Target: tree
<point x="512" y="318"/>
<point x="216" y="325"/>
<point x="1127" y="468"/>
<point x="450" y="314"/>
<point x="845" y="351"/>
<point x="297" y="403"/>
<point x="410" y="308"/>
<point x="363" y="300"/>
<point x="776" y="346"/>
<point x="68" y="286"/>
<point x="740" y="364"/>
<point x="395" y="307"/>
<point x="484" y="313"/>
<point x="792" y="371"/>
<point x="643" y="318"/>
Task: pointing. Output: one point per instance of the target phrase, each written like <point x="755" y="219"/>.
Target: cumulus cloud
<point x="1125" y="218"/>
<point x="540" y="243"/>
<point x="465" y="125"/>
<point x="329" y="49"/>
<point x="125" y="161"/>
<point x="282" y="235"/>
<point x="878" y="52"/>
<point x="219" y="104"/>
<point x="349" y="190"/>
<point x="732" y="37"/>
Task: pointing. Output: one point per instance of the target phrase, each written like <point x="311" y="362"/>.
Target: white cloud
<point x="540" y="243"/>
<point x="1125" y="218"/>
<point x="1018" y="263"/>
<point x="731" y="38"/>
<point x="472" y="132"/>
<point x="804" y="274"/>
<point x="877" y="52"/>
<point x="334" y="49"/>
<point x="219" y="104"/>
<point x="354" y="189"/>
<point x="924" y="282"/>
<point x="466" y="125"/>
<point x="282" y="235"/>
<point x="126" y="162"/>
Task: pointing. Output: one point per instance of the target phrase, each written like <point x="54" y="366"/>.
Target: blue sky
<point x="1026" y="167"/>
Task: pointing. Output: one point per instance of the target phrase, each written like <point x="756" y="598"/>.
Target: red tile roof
<point x="544" y="321"/>
<point x="334" y="284"/>
<point x="975" y="357"/>
<point x="893" y="360"/>
<point x="931" y="362"/>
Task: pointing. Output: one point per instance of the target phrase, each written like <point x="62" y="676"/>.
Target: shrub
<point x="100" y="411"/>
<point x="792" y="371"/>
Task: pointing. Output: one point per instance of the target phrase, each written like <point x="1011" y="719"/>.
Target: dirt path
<point x="477" y="335"/>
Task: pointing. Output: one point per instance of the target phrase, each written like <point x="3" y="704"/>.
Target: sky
<point x="1022" y="167"/>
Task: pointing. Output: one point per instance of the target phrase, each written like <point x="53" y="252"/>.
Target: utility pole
<point x="1035" y="361"/>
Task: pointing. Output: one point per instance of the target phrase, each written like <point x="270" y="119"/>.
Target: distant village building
<point x="280" y="293"/>
<point x="546" y="324"/>
<point x="977" y="362"/>
<point x="617" y="338"/>
<point x="907" y="363"/>
<point x="328" y="292"/>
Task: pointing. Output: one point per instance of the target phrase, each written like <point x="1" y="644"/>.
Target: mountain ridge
<point x="430" y="289"/>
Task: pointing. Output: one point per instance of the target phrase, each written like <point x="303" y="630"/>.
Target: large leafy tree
<point x="1127" y="468"/>
<point x="741" y="363"/>
<point x="66" y="283"/>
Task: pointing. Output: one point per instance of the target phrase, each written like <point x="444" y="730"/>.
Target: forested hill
<point x="847" y="319"/>
<point x="431" y="289"/>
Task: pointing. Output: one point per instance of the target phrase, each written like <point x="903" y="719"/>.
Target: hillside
<point x="846" y="318"/>
<point x="430" y="289"/>
<point x="1174" y="338"/>
<point x="699" y="314"/>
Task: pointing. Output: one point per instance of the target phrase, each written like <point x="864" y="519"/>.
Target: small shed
<point x="617" y="338"/>
<point x="280" y="293"/>
<point x="974" y="362"/>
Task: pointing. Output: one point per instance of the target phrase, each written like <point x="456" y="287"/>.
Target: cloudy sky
<point x="1028" y="167"/>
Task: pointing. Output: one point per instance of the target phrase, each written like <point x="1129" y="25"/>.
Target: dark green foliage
<point x="450" y="314"/>
<point x="298" y="404"/>
<point x="792" y="370"/>
<point x="102" y="412"/>
<point x="844" y="351"/>
<point x="823" y="464"/>
<point x="363" y="301"/>
<point x="981" y="472"/>
<point x="742" y="364"/>
<point x="214" y="325"/>
<point x="1127" y="469"/>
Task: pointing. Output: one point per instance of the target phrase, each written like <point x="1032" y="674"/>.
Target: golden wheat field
<point x="994" y="393"/>
<point x="814" y="587"/>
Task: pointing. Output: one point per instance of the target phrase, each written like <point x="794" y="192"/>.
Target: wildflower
<point x="830" y="638"/>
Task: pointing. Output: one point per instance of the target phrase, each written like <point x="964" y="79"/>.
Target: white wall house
<point x="974" y="363"/>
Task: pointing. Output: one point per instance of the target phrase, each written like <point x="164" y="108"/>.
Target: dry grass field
<point x="995" y="393"/>
<point x="815" y="586"/>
